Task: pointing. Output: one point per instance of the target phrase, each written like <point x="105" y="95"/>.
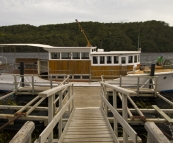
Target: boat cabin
<point x="90" y="62"/>
<point x="82" y="63"/>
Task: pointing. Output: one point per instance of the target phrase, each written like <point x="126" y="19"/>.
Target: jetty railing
<point x="24" y="134"/>
<point x="53" y="118"/>
<point x="135" y="81"/>
<point x="32" y="81"/>
<point x="127" y="129"/>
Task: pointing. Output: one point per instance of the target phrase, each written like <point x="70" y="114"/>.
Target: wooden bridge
<point x="88" y="117"/>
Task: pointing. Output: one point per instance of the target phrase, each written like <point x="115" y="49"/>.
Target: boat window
<point x="135" y="59"/>
<point x="115" y="59"/>
<point x="66" y="55"/>
<point x="123" y="60"/>
<point x="130" y="59"/>
<point x="95" y="60"/>
<point x="102" y="59"/>
<point x="85" y="55"/>
<point x="55" y="55"/>
<point x="109" y="59"/>
<point x="76" y="55"/>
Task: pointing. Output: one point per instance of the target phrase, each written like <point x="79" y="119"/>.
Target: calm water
<point x="146" y="58"/>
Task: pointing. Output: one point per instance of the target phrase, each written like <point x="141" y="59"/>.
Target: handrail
<point x="122" y="120"/>
<point x="53" y="120"/>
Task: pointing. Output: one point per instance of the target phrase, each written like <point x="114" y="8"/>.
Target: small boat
<point x="85" y="65"/>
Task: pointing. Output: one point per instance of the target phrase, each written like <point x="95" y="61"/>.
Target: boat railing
<point x="118" y="119"/>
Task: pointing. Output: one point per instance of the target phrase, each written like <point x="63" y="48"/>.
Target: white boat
<point x="85" y="65"/>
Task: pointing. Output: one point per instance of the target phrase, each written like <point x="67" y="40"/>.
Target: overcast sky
<point x="43" y="12"/>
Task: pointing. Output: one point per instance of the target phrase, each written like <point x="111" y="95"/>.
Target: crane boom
<point x="88" y="43"/>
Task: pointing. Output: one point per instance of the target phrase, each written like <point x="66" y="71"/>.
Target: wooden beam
<point x="155" y="134"/>
<point x="24" y="134"/>
<point x="163" y="114"/>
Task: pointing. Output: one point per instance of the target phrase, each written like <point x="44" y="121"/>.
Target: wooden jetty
<point x="88" y="110"/>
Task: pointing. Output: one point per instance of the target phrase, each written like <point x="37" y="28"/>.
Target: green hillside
<point x="155" y="36"/>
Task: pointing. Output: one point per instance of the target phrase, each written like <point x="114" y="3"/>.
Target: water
<point x="146" y="58"/>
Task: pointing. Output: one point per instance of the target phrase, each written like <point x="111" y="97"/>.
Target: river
<point x="146" y="58"/>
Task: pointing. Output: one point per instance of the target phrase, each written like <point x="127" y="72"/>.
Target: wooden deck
<point x="88" y="125"/>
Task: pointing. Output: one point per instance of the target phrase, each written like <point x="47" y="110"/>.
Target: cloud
<point x="40" y="12"/>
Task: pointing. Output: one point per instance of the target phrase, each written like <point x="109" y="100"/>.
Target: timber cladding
<point x="84" y="67"/>
<point x="69" y="67"/>
<point x="26" y="60"/>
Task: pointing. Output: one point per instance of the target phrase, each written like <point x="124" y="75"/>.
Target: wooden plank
<point x="69" y="136"/>
<point x="88" y="139"/>
<point x="89" y="129"/>
<point x="164" y="115"/>
<point x="87" y="133"/>
<point x="24" y="134"/>
<point x="88" y="125"/>
<point x="156" y="135"/>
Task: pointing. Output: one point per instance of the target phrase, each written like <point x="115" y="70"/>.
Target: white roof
<point x="33" y="45"/>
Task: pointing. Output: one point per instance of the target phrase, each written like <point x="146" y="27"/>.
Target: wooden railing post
<point x="69" y="110"/>
<point x="115" y="107"/>
<point x="138" y="86"/>
<point x="32" y="84"/>
<point x="50" y="116"/>
<point x="120" y="80"/>
<point x="15" y="84"/>
<point x="60" y="121"/>
<point x="124" y="106"/>
<point x="51" y="81"/>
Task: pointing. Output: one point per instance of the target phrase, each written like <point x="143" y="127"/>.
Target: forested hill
<point x="155" y="36"/>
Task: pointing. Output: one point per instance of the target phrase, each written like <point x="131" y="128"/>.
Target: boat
<point x="85" y="65"/>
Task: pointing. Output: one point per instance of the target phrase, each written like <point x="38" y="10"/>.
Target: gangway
<point x="93" y="124"/>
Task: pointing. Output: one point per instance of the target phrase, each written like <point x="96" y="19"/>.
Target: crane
<point x="88" y="43"/>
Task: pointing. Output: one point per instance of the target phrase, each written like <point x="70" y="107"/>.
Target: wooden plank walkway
<point x="88" y="125"/>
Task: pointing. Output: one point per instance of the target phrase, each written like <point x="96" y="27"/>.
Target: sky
<point x="43" y="12"/>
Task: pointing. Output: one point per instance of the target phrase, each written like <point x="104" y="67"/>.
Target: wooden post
<point x="154" y="134"/>
<point x="120" y="80"/>
<point x="15" y="84"/>
<point x="124" y="106"/>
<point x="115" y="107"/>
<point x="106" y="96"/>
<point x="138" y="87"/>
<point x="51" y="81"/>
<point x="68" y="99"/>
<point x="73" y="100"/>
<point x="50" y="116"/>
<point x="24" y="134"/>
<point x="156" y="79"/>
<point x="60" y="121"/>
<point x="32" y="84"/>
